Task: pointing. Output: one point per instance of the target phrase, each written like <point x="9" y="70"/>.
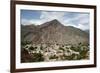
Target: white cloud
<point x="80" y="26"/>
<point x="25" y="21"/>
<point x="80" y="21"/>
<point x="44" y="17"/>
<point x="51" y="15"/>
<point x="79" y="18"/>
<point x="31" y="21"/>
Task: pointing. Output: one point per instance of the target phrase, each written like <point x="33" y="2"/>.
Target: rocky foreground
<point x="53" y="52"/>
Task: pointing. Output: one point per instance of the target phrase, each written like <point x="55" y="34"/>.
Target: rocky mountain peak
<point x="54" y="22"/>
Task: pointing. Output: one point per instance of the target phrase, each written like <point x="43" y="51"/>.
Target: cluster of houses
<point x="55" y="52"/>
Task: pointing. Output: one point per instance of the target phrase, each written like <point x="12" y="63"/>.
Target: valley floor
<point x="53" y="52"/>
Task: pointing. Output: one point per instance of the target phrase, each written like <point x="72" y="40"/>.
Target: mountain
<point x="53" y="32"/>
<point x="27" y="31"/>
<point x="87" y="31"/>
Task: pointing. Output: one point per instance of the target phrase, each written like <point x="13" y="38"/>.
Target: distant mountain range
<point x="53" y="32"/>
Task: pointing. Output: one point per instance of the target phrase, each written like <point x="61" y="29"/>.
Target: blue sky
<point x="75" y="19"/>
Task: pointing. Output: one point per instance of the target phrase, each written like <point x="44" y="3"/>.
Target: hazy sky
<point x="76" y="19"/>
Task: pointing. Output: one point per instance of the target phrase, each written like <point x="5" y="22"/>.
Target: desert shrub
<point x="53" y="57"/>
<point x="37" y="57"/>
<point x="79" y="57"/>
<point x="68" y="51"/>
<point x="67" y="48"/>
<point x="41" y="47"/>
<point x="31" y="48"/>
<point x="60" y="48"/>
<point x="25" y="56"/>
<point x="74" y="48"/>
<point x="71" y="57"/>
<point x="83" y="54"/>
